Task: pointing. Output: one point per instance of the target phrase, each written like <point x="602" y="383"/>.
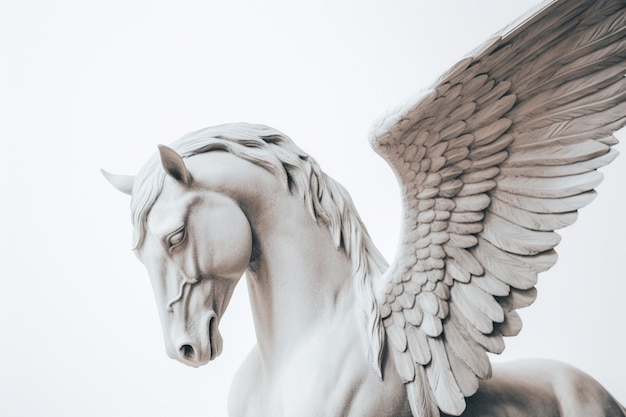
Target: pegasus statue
<point x="497" y="155"/>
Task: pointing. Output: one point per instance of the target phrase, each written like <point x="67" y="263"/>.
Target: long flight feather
<point x="477" y="318"/>
<point x="518" y="299"/>
<point x="511" y="326"/>
<point x="594" y="103"/>
<point x="465" y="377"/>
<point x="546" y="205"/>
<point x="516" y="239"/>
<point x="482" y="301"/>
<point x="556" y="153"/>
<point x="505" y="269"/>
<point x="565" y="93"/>
<point x="470" y="352"/>
<point x="418" y="345"/>
<point x="442" y="382"/>
<point x="506" y="266"/>
<point x="421" y="400"/>
<point x="551" y="187"/>
<point x="546" y="171"/>
<point x="530" y="220"/>
<point x="492" y="285"/>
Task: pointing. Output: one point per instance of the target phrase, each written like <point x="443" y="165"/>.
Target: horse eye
<point x="176" y="238"/>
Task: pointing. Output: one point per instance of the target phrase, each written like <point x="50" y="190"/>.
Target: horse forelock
<point x="326" y="200"/>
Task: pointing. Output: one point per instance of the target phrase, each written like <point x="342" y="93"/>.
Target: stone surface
<point x="494" y="158"/>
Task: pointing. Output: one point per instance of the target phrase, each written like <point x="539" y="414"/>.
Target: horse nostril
<point x="187" y="351"/>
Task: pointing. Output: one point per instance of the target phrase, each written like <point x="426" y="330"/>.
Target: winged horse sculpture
<point x="498" y="154"/>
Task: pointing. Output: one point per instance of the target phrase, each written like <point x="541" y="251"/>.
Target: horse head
<point x="196" y="245"/>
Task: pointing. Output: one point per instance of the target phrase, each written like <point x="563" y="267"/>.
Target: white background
<point x="86" y="84"/>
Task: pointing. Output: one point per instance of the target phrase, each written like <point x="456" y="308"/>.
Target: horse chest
<point x="345" y="385"/>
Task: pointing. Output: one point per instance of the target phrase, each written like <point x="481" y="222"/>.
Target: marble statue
<point x="498" y="154"/>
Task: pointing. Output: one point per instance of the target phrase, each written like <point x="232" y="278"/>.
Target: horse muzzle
<point x="198" y="349"/>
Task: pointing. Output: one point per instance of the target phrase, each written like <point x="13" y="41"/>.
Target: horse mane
<point x="326" y="200"/>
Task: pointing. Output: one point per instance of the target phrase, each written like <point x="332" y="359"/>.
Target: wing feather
<point x="532" y="221"/>
<point x="546" y="205"/>
<point x="418" y="345"/>
<point x="558" y="187"/>
<point x="511" y="325"/>
<point x="560" y="170"/>
<point x="421" y="399"/>
<point x="474" y="315"/>
<point x="492" y="285"/>
<point x="496" y="156"/>
<point x="465" y="377"/>
<point x="512" y="238"/>
<point x="518" y="299"/>
<point x="405" y="366"/>
<point x="467" y="349"/>
<point x="441" y="379"/>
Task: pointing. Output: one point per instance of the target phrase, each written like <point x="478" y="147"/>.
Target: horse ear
<point x="173" y="165"/>
<point x="123" y="183"/>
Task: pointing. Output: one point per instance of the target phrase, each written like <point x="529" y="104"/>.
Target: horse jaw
<point x="123" y="183"/>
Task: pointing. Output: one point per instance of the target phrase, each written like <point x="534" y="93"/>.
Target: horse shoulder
<point x="344" y="385"/>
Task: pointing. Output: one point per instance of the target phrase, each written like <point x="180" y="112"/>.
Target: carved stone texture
<point x="498" y="154"/>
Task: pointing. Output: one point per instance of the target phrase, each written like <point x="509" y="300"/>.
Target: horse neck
<point x="298" y="280"/>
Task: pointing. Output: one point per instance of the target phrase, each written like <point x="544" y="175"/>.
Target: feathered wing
<point x="501" y="152"/>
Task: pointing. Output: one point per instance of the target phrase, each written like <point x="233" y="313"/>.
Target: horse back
<point x="531" y="388"/>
